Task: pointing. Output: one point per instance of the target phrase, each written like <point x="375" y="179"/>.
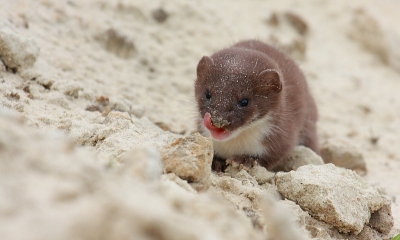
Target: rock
<point x="211" y="206"/>
<point x="142" y="162"/>
<point x="100" y="104"/>
<point x="316" y="229"/>
<point x="281" y="222"/>
<point x="342" y="154"/>
<point x="45" y="81"/>
<point x="300" y="156"/>
<point x="68" y="87"/>
<point x="121" y="132"/>
<point x="16" y="51"/>
<point x="244" y="192"/>
<point x="334" y="195"/>
<point x="260" y="174"/>
<point x="44" y="176"/>
<point x="382" y="220"/>
<point x="183" y="184"/>
<point x="321" y="230"/>
<point x="190" y="158"/>
<point x="368" y="234"/>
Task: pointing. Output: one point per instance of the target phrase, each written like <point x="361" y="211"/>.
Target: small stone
<point x="273" y="20"/>
<point x="300" y="156"/>
<point x="26" y="87"/>
<point x="160" y="15"/>
<point x="261" y="174"/>
<point x="13" y="96"/>
<point x="68" y="87"/>
<point x="100" y="104"/>
<point x="190" y="158"/>
<point x="117" y="43"/>
<point x="30" y="74"/>
<point x="16" y="51"/>
<point x="297" y="22"/>
<point x="243" y="191"/>
<point x="342" y="154"/>
<point x="45" y="81"/>
<point x="334" y="195"/>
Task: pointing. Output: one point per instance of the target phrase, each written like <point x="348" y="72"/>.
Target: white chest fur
<point x="244" y="141"/>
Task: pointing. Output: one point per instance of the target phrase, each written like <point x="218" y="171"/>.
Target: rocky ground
<point x="97" y="136"/>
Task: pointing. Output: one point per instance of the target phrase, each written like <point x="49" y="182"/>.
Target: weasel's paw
<point x="242" y="162"/>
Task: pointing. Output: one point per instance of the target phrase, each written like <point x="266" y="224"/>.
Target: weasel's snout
<point x="208" y="122"/>
<point x="213" y="123"/>
<point x="219" y="122"/>
<point x="215" y="126"/>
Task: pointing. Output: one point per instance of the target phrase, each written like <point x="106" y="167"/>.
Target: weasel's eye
<point x="243" y="103"/>
<point x="208" y="95"/>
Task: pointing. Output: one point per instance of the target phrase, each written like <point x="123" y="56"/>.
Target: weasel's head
<point x="235" y="87"/>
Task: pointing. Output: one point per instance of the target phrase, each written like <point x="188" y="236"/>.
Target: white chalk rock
<point x="142" y="162"/>
<point x="334" y="195"/>
<point x="16" y="51"/>
<point x="281" y="222"/>
<point x="190" y="158"/>
<point x="120" y="133"/>
<point x="44" y="176"/>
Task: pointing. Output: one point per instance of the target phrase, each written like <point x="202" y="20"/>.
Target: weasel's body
<point x="254" y="102"/>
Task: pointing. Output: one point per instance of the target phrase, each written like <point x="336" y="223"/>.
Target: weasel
<point x="254" y="102"/>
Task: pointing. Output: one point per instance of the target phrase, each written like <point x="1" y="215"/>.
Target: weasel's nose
<point x="219" y="122"/>
<point x="215" y="122"/>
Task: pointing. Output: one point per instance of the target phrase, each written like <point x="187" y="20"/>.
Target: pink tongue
<point x="217" y="133"/>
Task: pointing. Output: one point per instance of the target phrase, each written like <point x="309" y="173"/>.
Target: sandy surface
<point x="94" y="50"/>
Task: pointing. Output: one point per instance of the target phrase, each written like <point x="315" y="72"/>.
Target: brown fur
<point x="275" y="88"/>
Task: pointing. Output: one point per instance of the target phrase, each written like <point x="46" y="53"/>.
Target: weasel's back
<point x="297" y="95"/>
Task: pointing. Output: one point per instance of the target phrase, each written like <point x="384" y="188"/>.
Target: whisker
<point x="187" y="114"/>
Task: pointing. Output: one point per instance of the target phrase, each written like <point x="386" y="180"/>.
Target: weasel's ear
<point x="270" y="81"/>
<point x="204" y="65"/>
